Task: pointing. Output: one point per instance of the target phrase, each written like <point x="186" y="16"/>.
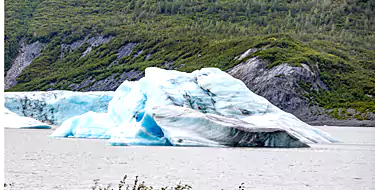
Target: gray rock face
<point x="68" y="48"/>
<point x="99" y="40"/>
<point x="279" y="85"/>
<point x="246" y="53"/>
<point x="125" y="50"/>
<point x="138" y="53"/>
<point x="28" y="52"/>
<point x="95" y="42"/>
<point x="87" y="51"/>
<point x="108" y="84"/>
<point x="148" y="56"/>
<point x="82" y="85"/>
<point x="168" y="65"/>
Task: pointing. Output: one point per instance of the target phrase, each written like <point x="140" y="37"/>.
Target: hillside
<point x="96" y="45"/>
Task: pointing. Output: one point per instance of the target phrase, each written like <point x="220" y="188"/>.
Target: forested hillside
<point x="335" y="37"/>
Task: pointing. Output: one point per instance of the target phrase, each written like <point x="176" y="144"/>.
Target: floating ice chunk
<point x="88" y="125"/>
<point x="12" y="120"/>
<point x="56" y="106"/>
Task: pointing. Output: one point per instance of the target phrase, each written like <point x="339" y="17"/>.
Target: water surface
<point x="34" y="161"/>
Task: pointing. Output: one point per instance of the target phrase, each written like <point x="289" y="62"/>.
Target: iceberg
<point x="88" y="125"/>
<point x="12" y="120"/>
<point x="54" y="107"/>
<point x="207" y="107"/>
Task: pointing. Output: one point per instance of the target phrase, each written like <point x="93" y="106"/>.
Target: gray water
<point x="34" y="161"/>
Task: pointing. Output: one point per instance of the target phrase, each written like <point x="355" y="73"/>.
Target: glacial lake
<point x="35" y="161"/>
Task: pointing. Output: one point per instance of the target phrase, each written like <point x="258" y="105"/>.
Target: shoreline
<point x="342" y="123"/>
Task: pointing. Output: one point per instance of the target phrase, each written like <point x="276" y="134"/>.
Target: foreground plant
<point x="136" y="186"/>
<point x="8" y="184"/>
<point x="141" y="186"/>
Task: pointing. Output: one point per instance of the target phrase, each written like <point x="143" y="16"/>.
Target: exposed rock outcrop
<point x="27" y="53"/>
<point x="95" y="42"/>
<point x="125" y="50"/>
<point x="108" y="84"/>
<point x="280" y="86"/>
<point x="246" y="53"/>
<point x="68" y="48"/>
<point x="148" y="56"/>
<point x="138" y="53"/>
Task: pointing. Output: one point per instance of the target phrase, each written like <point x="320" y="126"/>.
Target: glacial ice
<point x="207" y="107"/>
<point x="88" y="125"/>
<point x="12" y="120"/>
<point x="54" y="107"/>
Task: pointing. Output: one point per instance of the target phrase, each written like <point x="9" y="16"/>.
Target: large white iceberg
<point x="12" y="120"/>
<point x="207" y="107"/>
<point x="54" y="107"/>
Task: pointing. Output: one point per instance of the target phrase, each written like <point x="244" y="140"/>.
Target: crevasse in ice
<point x="207" y="107"/>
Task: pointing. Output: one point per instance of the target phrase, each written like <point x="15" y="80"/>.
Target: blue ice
<point x="54" y="107"/>
<point x="207" y="107"/>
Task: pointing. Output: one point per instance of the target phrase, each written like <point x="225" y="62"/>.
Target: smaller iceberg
<point x="88" y="125"/>
<point x="54" y="107"/>
<point x="12" y="120"/>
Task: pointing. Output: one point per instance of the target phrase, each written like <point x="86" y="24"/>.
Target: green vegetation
<point x="336" y="38"/>
<point x="136" y="186"/>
